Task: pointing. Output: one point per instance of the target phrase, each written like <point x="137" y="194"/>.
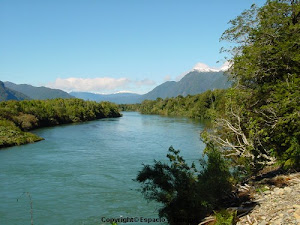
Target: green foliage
<point x="187" y="194"/>
<point x="262" y="111"/>
<point x="10" y="135"/>
<point x="224" y="217"/>
<point x="201" y="106"/>
<point x="268" y="43"/>
<point x="29" y="114"/>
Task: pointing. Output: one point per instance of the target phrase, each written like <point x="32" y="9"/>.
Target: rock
<point x="278" y="191"/>
<point x="290" y="211"/>
<point x="263" y="222"/>
<point x="297" y="217"/>
<point x="287" y="189"/>
<point x="277" y="206"/>
<point x="296" y="206"/>
<point x="277" y="222"/>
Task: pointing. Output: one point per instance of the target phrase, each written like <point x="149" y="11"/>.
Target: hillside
<point x="162" y="91"/>
<point x="118" y="98"/>
<point x="37" y="92"/>
<point x="8" y="94"/>
<point x="194" y="82"/>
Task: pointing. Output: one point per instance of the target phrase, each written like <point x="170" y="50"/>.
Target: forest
<point x="202" y="106"/>
<point x="255" y="124"/>
<point x="18" y="117"/>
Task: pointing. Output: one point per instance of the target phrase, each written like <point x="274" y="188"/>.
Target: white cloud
<point x="88" y="84"/>
<point x="100" y="85"/>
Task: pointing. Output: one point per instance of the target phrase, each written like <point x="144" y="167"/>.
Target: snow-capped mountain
<point x="199" y="79"/>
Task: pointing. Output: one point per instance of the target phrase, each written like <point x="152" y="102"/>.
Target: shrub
<point x="186" y="193"/>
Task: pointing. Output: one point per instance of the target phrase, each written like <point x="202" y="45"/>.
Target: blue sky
<point x="107" y="46"/>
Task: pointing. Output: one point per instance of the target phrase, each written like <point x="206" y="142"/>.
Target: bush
<point x="187" y="194"/>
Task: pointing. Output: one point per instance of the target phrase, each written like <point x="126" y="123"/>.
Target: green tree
<point x="187" y="194"/>
<point x="261" y="122"/>
<point x="19" y="116"/>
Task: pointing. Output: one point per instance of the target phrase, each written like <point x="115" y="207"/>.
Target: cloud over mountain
<point x="101" y="84"/>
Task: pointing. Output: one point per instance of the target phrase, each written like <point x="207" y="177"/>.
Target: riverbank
<point x="19" y="117"/>
<point x="277" y="203"/>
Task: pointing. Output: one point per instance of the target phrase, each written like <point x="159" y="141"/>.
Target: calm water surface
<point x="84" y="172"/>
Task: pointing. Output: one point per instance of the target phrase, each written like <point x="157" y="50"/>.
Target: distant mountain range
<point x="9" y="94"/>
<point x="118" y="98"/>
<point x="198" y="80"/>
<point x="195" y="82"/>
<point x="37" y="92"/>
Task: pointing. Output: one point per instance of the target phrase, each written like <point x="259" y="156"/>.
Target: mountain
<point x="37" y="92"/>
<point x="195" y="82"/>
<point x="162" y="91"/>
<point x="8" y="94"/>
<point x="118" y="98"/>
<point x="200" y="79"/>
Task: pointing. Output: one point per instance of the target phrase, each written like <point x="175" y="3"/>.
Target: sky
<point x="109" y="46"/>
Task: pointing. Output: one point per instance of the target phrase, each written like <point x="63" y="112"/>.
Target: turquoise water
<point x="84" y="172"/>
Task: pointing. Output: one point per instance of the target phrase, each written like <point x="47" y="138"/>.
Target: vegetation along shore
<point x="255" y="124"/>
<point x="19" y="117"/>
<point x="252" y="153"/>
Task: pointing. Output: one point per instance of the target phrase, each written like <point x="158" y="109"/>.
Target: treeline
<point x="17" y="117"/>
<point x="202" y="106"/>
<point x="258" y="128"/>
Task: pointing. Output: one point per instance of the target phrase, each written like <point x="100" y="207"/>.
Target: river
<point x="83" y="173"/>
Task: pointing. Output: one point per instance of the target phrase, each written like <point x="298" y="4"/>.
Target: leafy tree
<point x="261" y="121"/>
<point x="29" y="114"/>
<point x="202" y="106"/>
<point x="187" y="194"/>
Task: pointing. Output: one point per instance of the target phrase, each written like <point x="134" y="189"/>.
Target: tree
<point x="187" y="194"/>
<point x="263" y="109"/>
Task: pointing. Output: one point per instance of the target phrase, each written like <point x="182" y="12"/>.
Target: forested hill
<point x="195" y="82"/>
<point x="17" y="117"/>
<point x="8" y="94"/>
<point x="37" y="92"/>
